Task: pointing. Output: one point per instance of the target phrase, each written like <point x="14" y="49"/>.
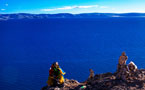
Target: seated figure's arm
<point x="62" y="72"/>
<point x="120" y="60"/>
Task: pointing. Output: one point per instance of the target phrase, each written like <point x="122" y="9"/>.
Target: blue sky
<point x="71" y="6"/>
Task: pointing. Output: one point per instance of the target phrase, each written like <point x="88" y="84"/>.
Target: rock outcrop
<point x="108" y="81"/>
<point x="68" y="85"/>
<point x="127" y="77"/>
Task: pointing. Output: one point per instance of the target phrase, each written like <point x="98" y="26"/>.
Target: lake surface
<point x="29" y="47"/>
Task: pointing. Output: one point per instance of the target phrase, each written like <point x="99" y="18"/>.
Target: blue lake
<point x="29" y="47"/>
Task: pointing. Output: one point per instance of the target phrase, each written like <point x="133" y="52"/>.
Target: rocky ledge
<point x="106" y="81"/>
<point x="127" y="77"/>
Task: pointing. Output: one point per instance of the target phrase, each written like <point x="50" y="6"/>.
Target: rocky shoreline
<point x="127" y="77"/>
<point x="106" y="81"/>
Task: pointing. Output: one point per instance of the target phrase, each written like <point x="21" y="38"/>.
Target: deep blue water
<point x="29" y="47"/>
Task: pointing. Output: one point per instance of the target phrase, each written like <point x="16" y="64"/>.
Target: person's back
<point x="122" y="59"/>
<point x="122" y="69"/>
<point x="56" y="72"/>
<point x="56" y="78"/>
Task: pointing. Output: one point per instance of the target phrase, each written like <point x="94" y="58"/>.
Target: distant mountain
<point x="67" y="15"/>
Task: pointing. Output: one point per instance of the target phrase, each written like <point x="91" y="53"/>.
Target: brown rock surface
<point x="127" y="77"/>
<point x="106" y="81"/>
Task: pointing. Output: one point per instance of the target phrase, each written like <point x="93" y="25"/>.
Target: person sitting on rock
<point x="123" y="58"/>
<point x="56" y="76"/>
<point x="122" y="61"/>
<point x="122" y="68"/>
<point x="50" y="78"/>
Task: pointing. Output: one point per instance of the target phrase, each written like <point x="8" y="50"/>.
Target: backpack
<point x="56" y="72"/>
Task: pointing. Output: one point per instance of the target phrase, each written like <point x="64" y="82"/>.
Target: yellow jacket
<point x="60" y="77"/>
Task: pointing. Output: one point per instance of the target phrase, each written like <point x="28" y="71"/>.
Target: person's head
<point x="56" y="64"/>
<point x="123" y="54"/>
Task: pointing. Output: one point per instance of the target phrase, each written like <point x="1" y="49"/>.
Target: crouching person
<point x="56" y="78"/>
<point x="132" y="70"/>
<point x="132" y="67"/>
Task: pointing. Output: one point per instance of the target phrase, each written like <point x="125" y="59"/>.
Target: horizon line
<point x="77" y="13"/>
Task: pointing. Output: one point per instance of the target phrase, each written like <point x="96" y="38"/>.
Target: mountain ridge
<point x="67" y="15"/>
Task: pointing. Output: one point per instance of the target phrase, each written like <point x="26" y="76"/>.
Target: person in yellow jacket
<point x="55" y="76"/>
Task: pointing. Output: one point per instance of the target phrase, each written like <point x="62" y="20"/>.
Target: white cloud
<point x="86" y="6"/>
<point x="69" y="7"/>
<point x="104" y="7"/>
<point x="6" y="4"/>
<point x="3" y="9"/>
<point x="48" y="9"/>
<point x="65" y="8"/>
